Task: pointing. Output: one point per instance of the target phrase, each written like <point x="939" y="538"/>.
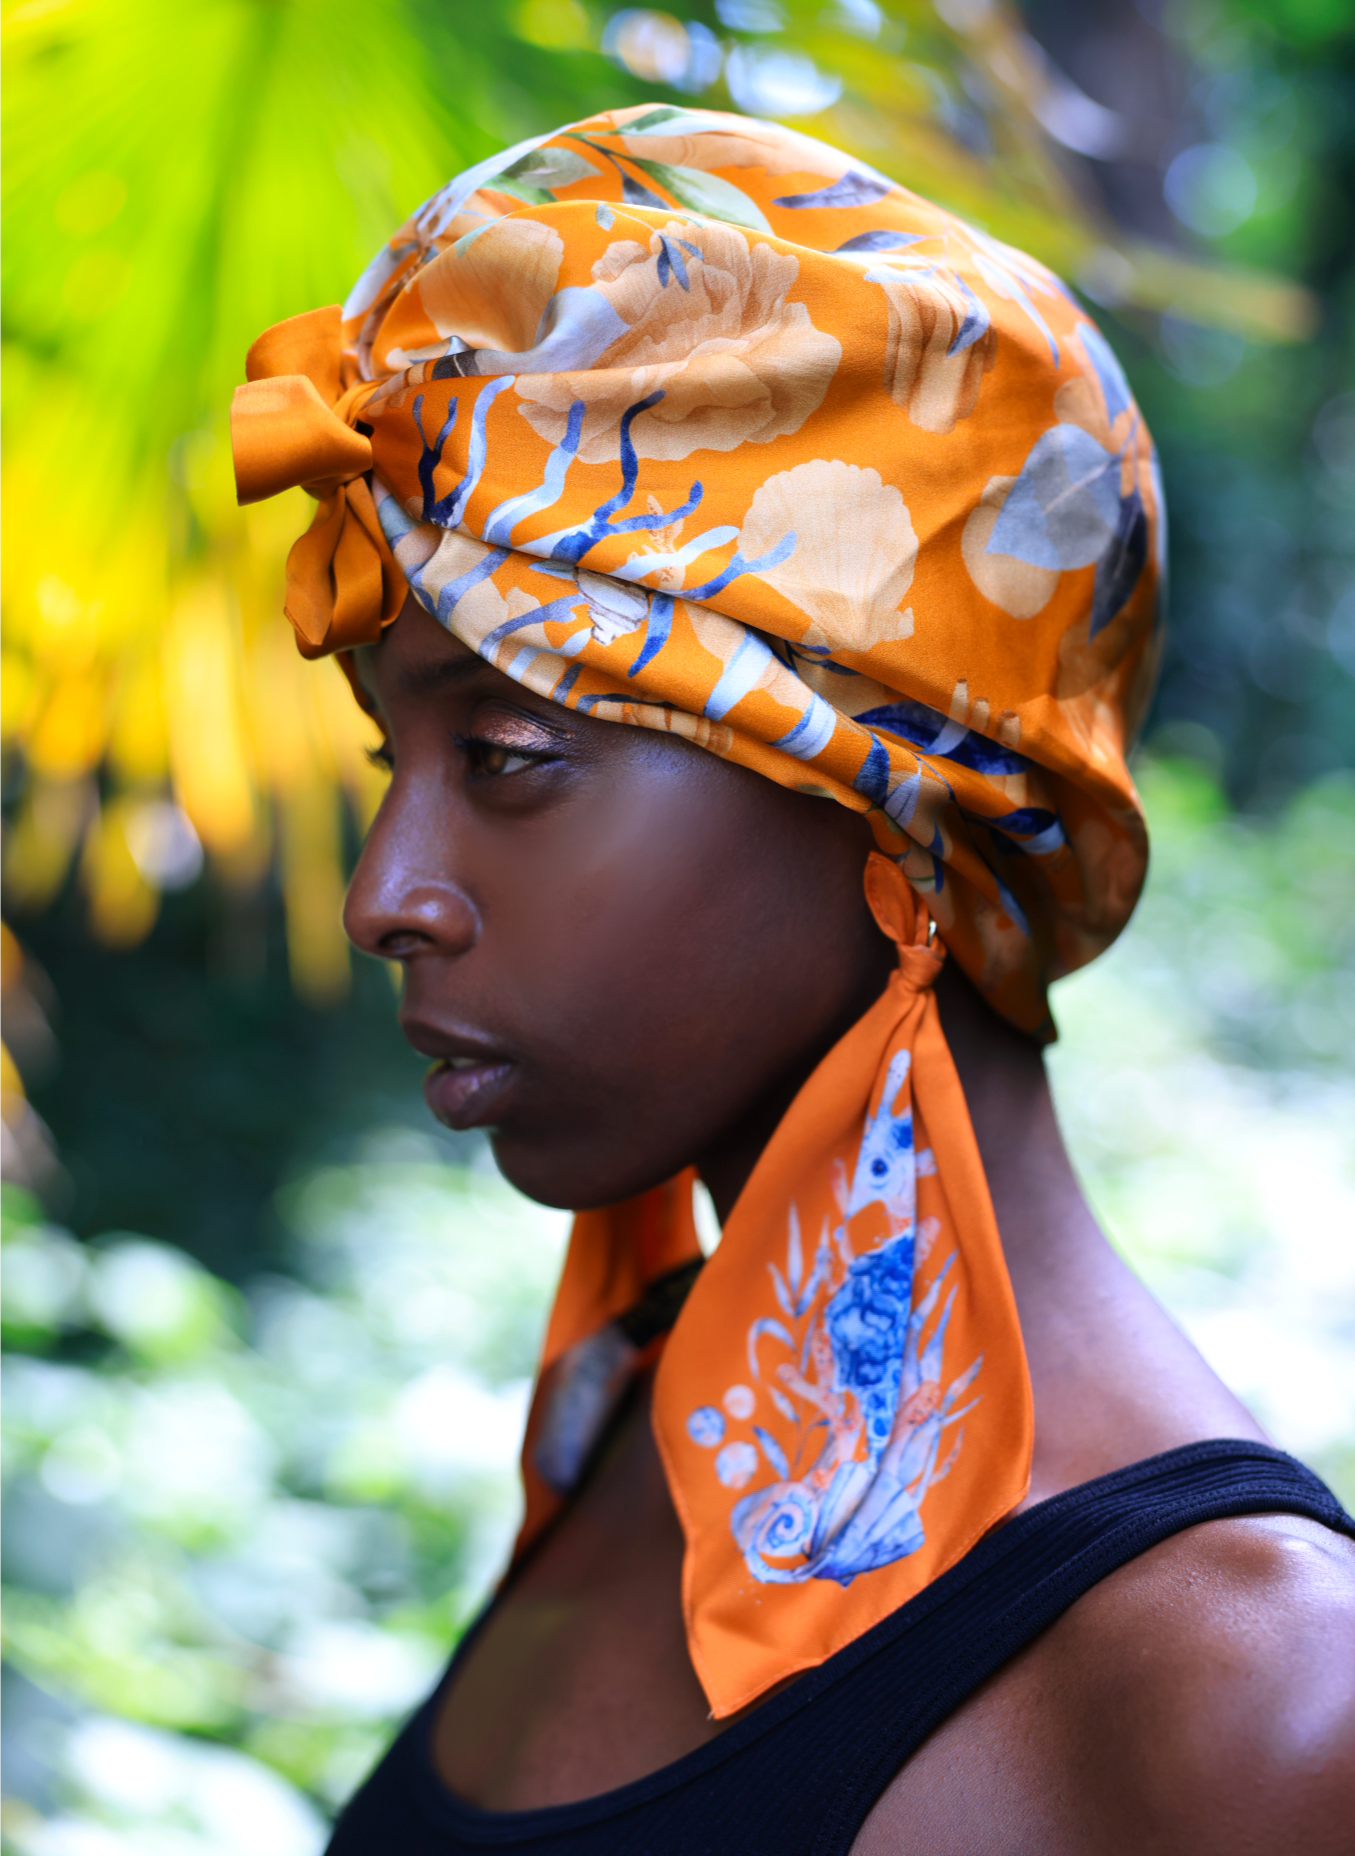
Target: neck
<point x="1112" y="1376"/>
<point x="725" y="1165"/>
<point x="1043" y="1217"/>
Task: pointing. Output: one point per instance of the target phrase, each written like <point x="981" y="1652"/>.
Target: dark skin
<point x="636" y="954"/>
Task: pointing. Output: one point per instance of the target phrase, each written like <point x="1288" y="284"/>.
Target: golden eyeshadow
<point x="516" y="733"/>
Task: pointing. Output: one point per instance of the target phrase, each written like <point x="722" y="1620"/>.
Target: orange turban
<point x="694" y="423"/>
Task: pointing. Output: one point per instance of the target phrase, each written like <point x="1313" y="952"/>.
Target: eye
<point x="381" y="756"/>
<point x="492" y="759"/>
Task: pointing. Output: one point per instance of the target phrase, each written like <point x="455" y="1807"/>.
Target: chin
<point x="570" y="1179"/>
<point x="540" y="1171"/>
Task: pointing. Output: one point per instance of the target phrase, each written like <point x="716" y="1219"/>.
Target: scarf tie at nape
<point x="693" y="423"/>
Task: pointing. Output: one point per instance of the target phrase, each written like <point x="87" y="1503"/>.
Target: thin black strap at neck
<point x="1021" y="1578"/>
<point x="803" y="1772"/>
<point x="659" y="1307"/>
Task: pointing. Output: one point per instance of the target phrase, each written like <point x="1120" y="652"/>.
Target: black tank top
<point x="799" y="1776"/>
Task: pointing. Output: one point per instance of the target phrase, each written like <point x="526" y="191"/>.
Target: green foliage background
<point x="268" y="1333"/>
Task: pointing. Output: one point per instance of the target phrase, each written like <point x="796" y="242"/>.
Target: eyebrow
<point x="419" y="679"/>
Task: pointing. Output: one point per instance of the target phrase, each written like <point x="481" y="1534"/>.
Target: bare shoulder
<point x="1207" y="1691"/>
<point x="1200" y="1700"/>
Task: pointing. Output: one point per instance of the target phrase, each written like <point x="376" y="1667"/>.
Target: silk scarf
<point x="690" y="422"/>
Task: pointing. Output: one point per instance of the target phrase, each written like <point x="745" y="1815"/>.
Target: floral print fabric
<point x="693" y="423"/>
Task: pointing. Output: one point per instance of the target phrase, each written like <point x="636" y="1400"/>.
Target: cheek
<point x="613" y="946"/>
<point x="644" y="924"/>
<point x="635" y="1050"/>
<point x="684" y="947"/>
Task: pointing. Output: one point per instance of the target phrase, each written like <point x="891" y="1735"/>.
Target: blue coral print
<point x="853" y="1364"/>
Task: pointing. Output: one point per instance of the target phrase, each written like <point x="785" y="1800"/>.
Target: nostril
<point x="403" y="944"/>
<point x="406" y="922"/>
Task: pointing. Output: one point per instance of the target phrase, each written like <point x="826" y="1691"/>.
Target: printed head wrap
<point x="691" y="422"/>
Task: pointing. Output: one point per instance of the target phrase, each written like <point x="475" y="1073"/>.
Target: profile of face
<point x="624" y="955"/>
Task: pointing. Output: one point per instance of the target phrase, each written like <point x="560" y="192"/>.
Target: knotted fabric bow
<point x="288" y="428"/>
<point x="693" y="423"/>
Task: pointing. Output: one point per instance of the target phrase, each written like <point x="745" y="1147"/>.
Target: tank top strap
<point x="1022" y="1577"/>
<point x="804" y="1771"/>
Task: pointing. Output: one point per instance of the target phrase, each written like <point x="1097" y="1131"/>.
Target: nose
<point x="403" y="901"/>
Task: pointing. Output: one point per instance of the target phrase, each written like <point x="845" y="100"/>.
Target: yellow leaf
<point x="68" y="737"/>
<point x="122" y="904"/>
<point x="207" y="744"/>
<point x="313" y="888"/>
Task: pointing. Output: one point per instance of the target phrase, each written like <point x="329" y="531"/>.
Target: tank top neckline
<point x="442" y="1805"/>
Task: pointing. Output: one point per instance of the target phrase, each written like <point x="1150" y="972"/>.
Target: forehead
<point x="416" y="657"/>
<point x="418" y="665"/>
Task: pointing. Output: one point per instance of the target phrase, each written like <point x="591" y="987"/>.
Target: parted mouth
<point x="458" y="1050"/>
<point x="470" y="1078"/>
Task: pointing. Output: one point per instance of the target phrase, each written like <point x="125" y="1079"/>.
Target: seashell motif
<point x="941" y="344"/>
<point x="733" y="360"/>
<point x="854" y="552"/>
<point x="774" y="1523"/>
<point x="614" y="607"/>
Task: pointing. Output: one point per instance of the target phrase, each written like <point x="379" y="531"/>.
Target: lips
<point x="468" y="1080"/>
<point x="466" y="1096"/>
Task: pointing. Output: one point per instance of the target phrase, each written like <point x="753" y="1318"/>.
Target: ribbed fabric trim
<point x="1008" y="1589"/>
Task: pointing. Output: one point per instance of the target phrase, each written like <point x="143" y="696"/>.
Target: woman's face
<point x="624" y="954"/>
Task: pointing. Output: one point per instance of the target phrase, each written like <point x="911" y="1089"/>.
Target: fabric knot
<point x="899" y="914"/>
<point x="291" y="426"/>
<point x="919" y="967"/>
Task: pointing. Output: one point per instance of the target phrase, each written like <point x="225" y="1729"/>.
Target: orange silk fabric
<point x="693" y="423"/>
<point x="286" y="429"/>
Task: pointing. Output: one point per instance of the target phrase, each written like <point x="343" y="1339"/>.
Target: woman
<point x="908" y="1521"/>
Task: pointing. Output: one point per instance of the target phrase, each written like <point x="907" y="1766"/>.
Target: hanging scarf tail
<point x="842" y="1406"/>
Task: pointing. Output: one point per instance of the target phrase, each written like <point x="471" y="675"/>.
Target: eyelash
<point x="472" y="746"/>
<point x="475" y="747"/>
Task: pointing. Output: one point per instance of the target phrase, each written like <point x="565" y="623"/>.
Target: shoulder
<point x="1200" y="1701"/>
<point x="1206" y="1691"/>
